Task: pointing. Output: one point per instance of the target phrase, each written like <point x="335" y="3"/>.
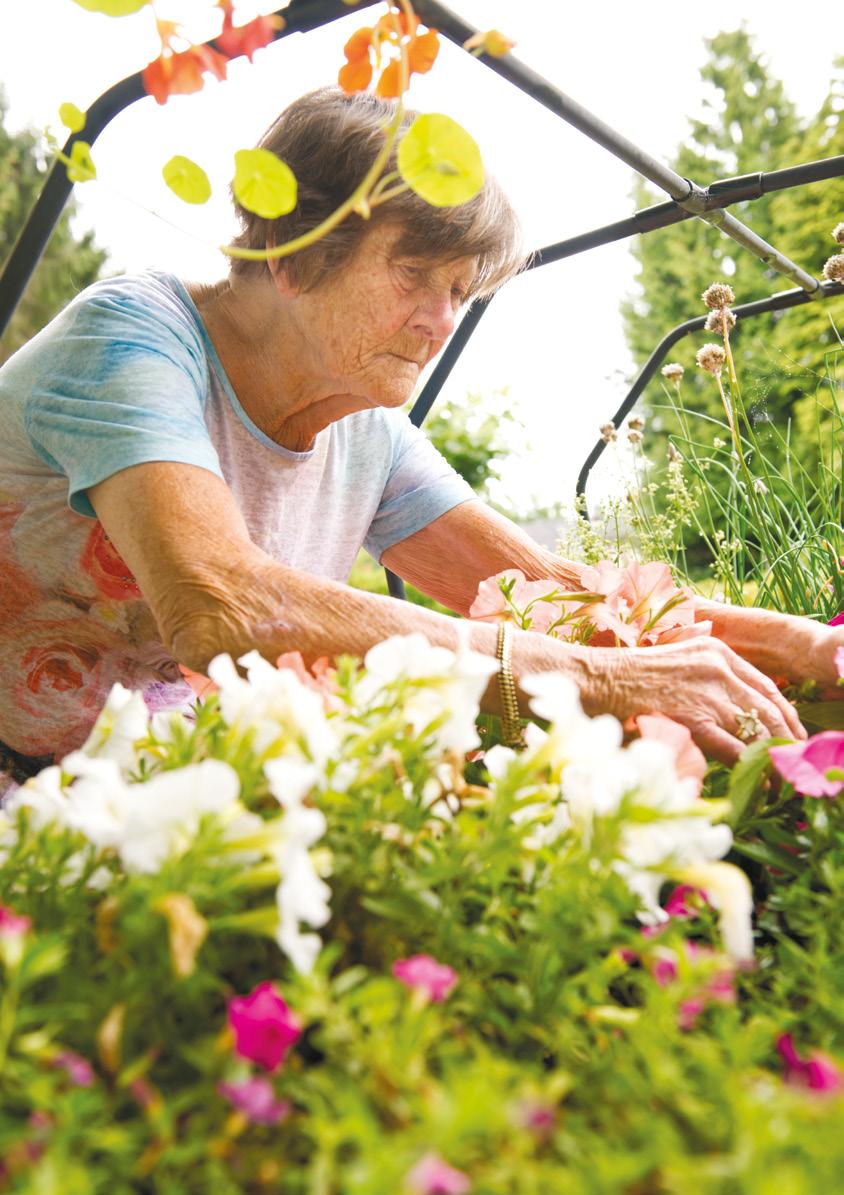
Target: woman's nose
<point x="434" y="317"/>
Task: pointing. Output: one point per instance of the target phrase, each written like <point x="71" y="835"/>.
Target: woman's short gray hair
<point x="329" y="140"/>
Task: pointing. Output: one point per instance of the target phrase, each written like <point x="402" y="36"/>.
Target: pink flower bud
<point x="264" y="1027"/>
<point x="424" y="974"/>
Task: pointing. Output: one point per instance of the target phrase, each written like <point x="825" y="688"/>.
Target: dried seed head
<point x="634" y="436"/>
<point x="608" y="432"/>
<point x="759" y="486"/>
<point x="838" y="233"/>
<point x="636" y="423"/>
<point x="715" y="320"/>
<point x="719" y="294"/>
<point x="673" y="372"/>
<point x="673" y="454"/>
<point x="711" y="358"/>
<point x="833" y="271"/>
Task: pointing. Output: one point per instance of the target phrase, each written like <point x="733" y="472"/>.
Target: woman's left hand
<point x="784" y="646"/>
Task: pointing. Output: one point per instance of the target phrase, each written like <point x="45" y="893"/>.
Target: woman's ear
<point x="282" y="279"/>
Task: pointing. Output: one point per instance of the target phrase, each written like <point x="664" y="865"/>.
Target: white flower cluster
<point x="670" y="833"/>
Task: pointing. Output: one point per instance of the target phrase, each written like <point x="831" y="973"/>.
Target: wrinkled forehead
<point x="397" y="240"/>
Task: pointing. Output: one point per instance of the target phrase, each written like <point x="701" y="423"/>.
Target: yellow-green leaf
<point x="440" y="161"/>
<point x="113" y="8"/>
<point x="81" y="168"/>
<point x="263" y="183"/>
<point x="72" y="118"/>
<point x="187" y="180"/>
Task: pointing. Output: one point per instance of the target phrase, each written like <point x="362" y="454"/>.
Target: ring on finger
<point x="750" y="725"/>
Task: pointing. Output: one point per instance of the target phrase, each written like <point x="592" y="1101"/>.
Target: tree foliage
<point x="749" y="125"/>
<point x="69" y="262"/>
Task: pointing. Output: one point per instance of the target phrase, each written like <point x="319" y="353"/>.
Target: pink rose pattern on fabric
<point x="64" y="644"/>
<point x="265" y="1030"/>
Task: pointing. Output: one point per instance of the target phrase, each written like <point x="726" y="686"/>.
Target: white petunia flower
<point x="123" y="720"/>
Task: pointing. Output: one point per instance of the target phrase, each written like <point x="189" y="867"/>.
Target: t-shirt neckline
<point x="228" y="389"/>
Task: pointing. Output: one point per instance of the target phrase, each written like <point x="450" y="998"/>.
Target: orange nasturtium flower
<point x="246" y="39"/>
<point x="181" y="74"/>
<point x="368" y="48"/>
<point x="493" y="42"/>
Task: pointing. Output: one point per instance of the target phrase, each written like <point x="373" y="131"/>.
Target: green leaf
<point x="81" y="168"/>
<point x="263" y="183"/>
<point x="747" y="776"/>
<point x="72" y="118"/>
<point x="826" y="715"/>
<point x="770" y="856"/>
<point x="440" y="161"/>
<point x="113" y="8"/>
<point x="187" y="180"/>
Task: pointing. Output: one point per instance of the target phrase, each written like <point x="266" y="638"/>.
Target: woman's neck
<point x="268" y="361"/>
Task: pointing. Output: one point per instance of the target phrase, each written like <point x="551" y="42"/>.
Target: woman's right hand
<point x="700" y="683"/>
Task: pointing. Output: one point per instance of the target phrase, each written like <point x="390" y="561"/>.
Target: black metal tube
<point x="780" y="302"/>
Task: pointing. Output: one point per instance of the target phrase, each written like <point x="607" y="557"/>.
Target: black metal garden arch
<point x="687" y="200"/>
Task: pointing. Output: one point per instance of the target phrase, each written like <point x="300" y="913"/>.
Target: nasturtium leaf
<point x="263" y="184"/>
<point x="440" y="161"/>
<point x="113" y="8"/>
<point x="187" y="180"/>
<point x="72" y="118"/>
<point x="81" y="168"/>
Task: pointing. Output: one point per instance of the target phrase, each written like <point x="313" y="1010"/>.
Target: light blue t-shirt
<point x="127" y="374"/>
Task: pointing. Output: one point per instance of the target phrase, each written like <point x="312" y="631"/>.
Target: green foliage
<point x="263" y="183"/>
<point x="440" y="161"/>
<point x="750" y="125"/>
<point x="69" y="262"/>
<point x="474" y="436"/>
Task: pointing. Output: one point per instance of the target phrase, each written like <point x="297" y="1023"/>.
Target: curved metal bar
<point x="300" y="16"/>
<point x="780" y="302"/>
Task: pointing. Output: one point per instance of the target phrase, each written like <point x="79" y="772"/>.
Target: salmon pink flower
<point x="689" y="760"/>
<point x="818" y="1072"/>
<point x="433" y="1176"/>
<point x="256" y="1099"/>
<point x="264" y="1028"/>
<point x="816" y="766"/>
<point x="424" y="974"/>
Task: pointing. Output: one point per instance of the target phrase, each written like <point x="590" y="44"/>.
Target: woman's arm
<point x="212" y="590"/>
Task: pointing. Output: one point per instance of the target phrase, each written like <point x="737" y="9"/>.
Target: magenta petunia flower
<point x="424" y="974"/>
<point x="12" y="925"/>
<point x="818" y="1072"/>
<point x="838" y="621"/>
<point x="808" y="765"/>
<point x="433" y="1176"/>
<point x="256" y="1099"/>
<point x="264" y="1028"/>
<point x="77" y="1068"/>
<point x="685" y="902"/>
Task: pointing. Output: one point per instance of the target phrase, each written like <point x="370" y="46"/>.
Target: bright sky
<point x="553" y="337"/>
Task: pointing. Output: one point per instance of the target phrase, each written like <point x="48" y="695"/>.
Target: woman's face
<point x="372" y="328"/>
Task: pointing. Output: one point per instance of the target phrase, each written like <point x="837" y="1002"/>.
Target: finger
<point x="717" y="743"/>
<point x="778" y="712"/>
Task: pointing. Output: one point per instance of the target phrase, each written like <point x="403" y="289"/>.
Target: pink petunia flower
<point x="264" y="1028"/>
<point x="685" y="902"/>
<point x="256" y="1099"/>
<point x="808" y="765"/>
<point x="424" y="974"/>
<point x="77" y="1068"/>
<point x="13" y="925"/>
<point x="837" y="621"/>
<point x="433" y="1176"/>
<point x="818" y="1072"/>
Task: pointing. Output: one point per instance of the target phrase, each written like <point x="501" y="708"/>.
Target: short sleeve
<point x="421" y="487"/>
<point x="121" y="381"/>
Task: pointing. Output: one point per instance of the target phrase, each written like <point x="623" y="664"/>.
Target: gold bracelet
<point x="511" y="724"/>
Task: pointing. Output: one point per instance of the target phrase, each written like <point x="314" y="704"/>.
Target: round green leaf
<point x="187" y="180"/>
<point x="440" y="161"/>
<point x="72" y="118"/>
<point x="263" y="183"/>
<point x="81" y="168"/>
<point x="113" y="8"/>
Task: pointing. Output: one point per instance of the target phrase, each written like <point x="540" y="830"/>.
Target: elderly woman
<point x="187" y="470"/>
